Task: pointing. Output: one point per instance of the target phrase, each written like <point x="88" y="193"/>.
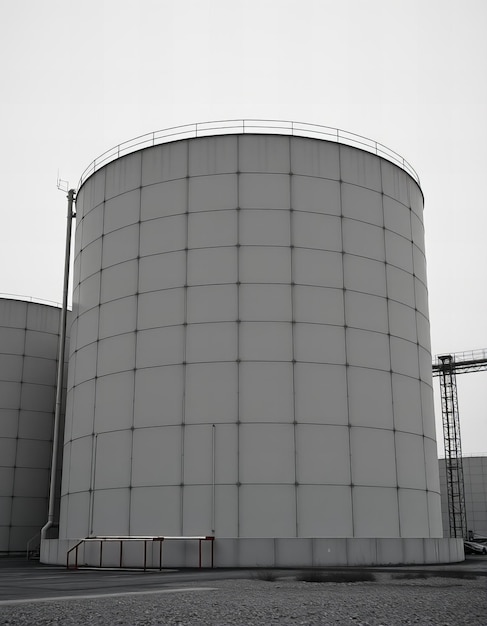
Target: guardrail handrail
<point x="462" y="357"/>
<point x="15" y="296"/>
<point x="247" y="126"/>
<point x="145" y="539"/>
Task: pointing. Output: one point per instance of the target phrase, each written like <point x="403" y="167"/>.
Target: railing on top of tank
<point x="251" y="126"/>
<point x="15" y="296"/>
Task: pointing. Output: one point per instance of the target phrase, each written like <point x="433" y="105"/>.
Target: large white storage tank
<point x="28" y="362"/>
<point x="250" y="353"/>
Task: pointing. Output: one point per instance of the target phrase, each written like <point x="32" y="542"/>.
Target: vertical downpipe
<point x="92" y="481"/>
<point x="213" y="463"/>
<point x="60" y="367"/>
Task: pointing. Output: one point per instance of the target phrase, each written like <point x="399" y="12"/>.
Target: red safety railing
<point x="146" y="540"/>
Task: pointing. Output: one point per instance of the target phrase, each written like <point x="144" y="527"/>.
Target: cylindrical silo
<point x="250" y="352"/>
<point x="28" y="361"/>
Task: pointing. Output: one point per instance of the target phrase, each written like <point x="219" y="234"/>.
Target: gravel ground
<point x="387" y="601"/>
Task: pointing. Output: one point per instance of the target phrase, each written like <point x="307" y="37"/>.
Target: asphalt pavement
<point x="25" y="581"/>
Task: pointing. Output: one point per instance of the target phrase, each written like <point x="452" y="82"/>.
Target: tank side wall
<point x="250" y="350"/>
<point x="28" y="362"/>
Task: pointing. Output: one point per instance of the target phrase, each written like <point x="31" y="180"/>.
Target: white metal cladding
<point x="28" y="361"/>
<point x="250" y="349"/>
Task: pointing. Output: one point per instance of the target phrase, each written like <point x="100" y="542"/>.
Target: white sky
<point x="80" y="77"/>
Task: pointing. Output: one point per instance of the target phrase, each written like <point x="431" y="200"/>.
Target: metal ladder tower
<point x="446" y="367"/>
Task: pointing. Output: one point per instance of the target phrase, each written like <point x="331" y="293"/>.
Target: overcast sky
<point x="80" y="77"/>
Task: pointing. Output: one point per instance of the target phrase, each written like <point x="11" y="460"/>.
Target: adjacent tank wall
<point x="28" y="361"/>
<point x="250" y="352"/>
<point x="475" y="483"/>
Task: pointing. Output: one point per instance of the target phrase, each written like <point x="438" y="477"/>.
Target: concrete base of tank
<point x="262" y="552"/>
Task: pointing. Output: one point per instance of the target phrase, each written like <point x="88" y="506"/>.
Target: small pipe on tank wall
<point x="60" y="367"/>
<point x="213" y="432"/>
<point x="92" y="481"/>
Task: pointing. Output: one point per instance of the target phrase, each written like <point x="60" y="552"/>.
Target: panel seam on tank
<point x="347" y="380"/>
<point x="185" y="346"/>
<point x="239" y="369"/>
<point x="396" y="469"/>
<point x="293" y="338"/>
<point x="134" y="372"/>
<point x="17" y="437"/>
<point x="94" y="435"/>
<point x="426" y="488"/>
